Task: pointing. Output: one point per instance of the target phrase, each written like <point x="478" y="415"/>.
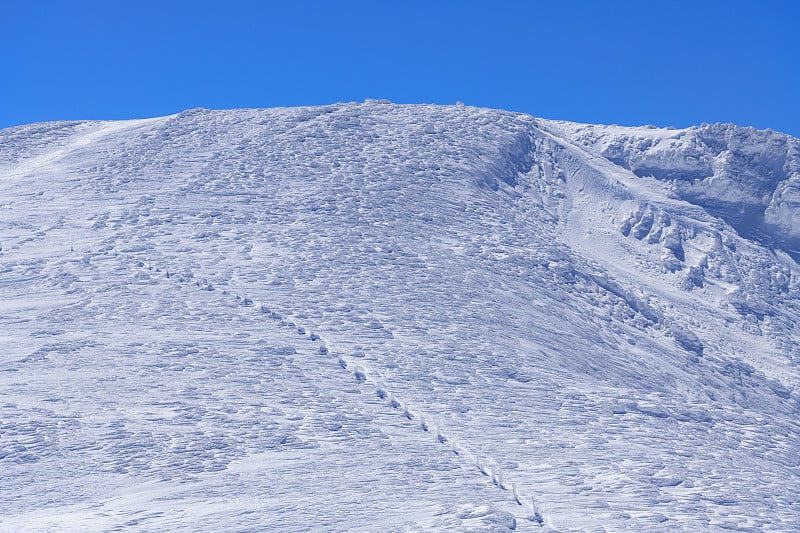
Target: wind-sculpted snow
<point x="369" y="317"/>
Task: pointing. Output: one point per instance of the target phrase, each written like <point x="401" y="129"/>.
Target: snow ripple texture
<point x="371" y="317"/>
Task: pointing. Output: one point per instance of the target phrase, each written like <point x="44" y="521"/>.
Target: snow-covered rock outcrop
<point x="747" y="177"/>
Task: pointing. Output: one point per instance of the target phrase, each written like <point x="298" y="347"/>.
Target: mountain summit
<point x="378" y="317"/>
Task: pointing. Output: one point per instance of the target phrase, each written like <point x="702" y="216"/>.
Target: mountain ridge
<point x="539" y="304"/>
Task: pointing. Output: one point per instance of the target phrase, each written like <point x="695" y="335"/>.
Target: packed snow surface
<point x="371" y="317"/>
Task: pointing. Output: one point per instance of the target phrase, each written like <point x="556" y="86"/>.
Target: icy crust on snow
<point x="369" y="317"/>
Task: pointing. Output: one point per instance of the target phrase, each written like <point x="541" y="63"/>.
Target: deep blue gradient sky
<point x="665" y="63"/>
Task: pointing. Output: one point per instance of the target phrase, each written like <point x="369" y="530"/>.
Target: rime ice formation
<point x="372" y="317"/>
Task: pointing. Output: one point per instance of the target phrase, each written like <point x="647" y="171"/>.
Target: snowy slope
<point x="370" y="317"/>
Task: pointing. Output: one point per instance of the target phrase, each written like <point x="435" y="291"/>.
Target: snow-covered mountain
<point x="373" y="317"/>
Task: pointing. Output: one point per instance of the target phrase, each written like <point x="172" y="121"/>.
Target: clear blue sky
<point x="671" y="62"/>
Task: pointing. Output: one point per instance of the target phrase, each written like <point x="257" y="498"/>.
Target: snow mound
<point x="373" y="317"/>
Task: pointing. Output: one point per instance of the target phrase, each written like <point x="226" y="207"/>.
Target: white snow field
<point x="376" y="317"/>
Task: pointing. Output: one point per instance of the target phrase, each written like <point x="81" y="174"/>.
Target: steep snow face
<point x="378" y="317"/>
<point x="687" y="232"/>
